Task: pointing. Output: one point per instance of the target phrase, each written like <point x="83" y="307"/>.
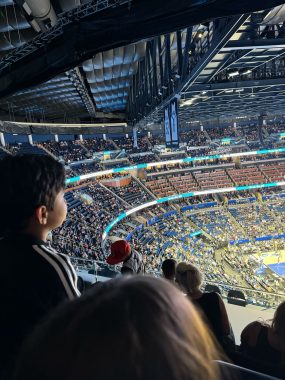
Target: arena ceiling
<point x="81" y="60"/>
<point x="240" y="72"/>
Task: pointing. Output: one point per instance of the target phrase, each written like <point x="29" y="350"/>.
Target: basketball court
<point x="274" y="260"/>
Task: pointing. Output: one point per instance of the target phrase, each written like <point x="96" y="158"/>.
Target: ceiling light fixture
<point x="247" y="71"/>
<point x="187" y="102"/>
<point x="233" y="73"/>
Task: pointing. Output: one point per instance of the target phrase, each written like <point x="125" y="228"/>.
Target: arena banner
<point x="171" y="125"/>
<point x="135" y="137"/>
<point x="167" y="127"/>
<point x="174" y="122"/>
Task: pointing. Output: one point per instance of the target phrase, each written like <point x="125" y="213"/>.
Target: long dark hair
<point x="134" y="328"/>
<point x="278" y="322"/>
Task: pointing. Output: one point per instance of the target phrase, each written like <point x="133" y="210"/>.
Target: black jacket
<point x="34" y="279"/>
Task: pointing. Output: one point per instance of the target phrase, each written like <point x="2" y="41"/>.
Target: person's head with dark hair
<point x="264" y="341"/>
<point x="131" y="328"/>
<point x="278" y="322"/>
<point x="168" y="268"/>
<point x="127" y="271"/>
<point x="31" y="195"/>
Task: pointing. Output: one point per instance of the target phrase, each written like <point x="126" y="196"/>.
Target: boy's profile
<point x="34" y="277"/>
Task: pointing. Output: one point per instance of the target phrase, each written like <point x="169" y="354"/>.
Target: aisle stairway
<point x="47" y="151"/>
<point x="235" y="222"/>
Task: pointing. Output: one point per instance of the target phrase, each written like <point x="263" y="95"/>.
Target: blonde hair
<point x="188" y="277"/>
<point x="129" y="328"/>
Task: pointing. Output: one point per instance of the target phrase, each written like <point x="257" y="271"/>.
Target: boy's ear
<point x="41" y="214"/>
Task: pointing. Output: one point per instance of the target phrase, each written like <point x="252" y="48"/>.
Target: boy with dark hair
<point x="34" y="278"/>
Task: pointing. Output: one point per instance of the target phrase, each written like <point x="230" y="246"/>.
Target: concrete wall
<point x="242" y="316"/>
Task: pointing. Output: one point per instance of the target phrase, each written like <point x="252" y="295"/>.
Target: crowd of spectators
<point x="193" y="137"/>
<point x="98" y="145"/>
<point x="71" y="151"/>
<point x="223" y="226"/>
<point x="68" y="151"/>
<point x="133" y="193"/>
<point x="275" y="128"/>
<point x="256" y="219"/>
<point x="217" y="223"/>
<point x="87" y="167"/>
<point x="220" y="133"/>
<point x="138" y="159"/>
<point x="157" y="140"/>
<point x="172" y="238"/>
<point x="81" y="234"/>
<point x="252" y="136"/>
<point x="87" y="323"/>
<point x="75" y="150"/>
<point x="127" y="143"/>
<point x="249" y="268"/>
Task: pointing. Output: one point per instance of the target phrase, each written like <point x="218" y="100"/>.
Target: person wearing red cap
<point x="121" y="252"/>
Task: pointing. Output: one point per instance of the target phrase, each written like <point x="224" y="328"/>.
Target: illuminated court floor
<point x="275" y="261"/>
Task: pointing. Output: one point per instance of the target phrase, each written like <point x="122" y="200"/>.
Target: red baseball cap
<point x="120" y="250"/>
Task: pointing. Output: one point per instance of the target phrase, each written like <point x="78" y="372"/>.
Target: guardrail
<point x="252" y="296"/>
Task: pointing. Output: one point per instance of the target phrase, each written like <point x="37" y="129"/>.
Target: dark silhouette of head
<point x="168" y="269"/>
<point x="127" y="271"/>
<point x="278" y="322"/>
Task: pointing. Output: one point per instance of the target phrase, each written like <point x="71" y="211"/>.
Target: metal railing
<point x="252" y="296"/>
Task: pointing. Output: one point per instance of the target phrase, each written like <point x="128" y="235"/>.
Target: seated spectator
<point x="129" y="328"/>
<point x="34" y="277"/>
<point x="168" y="268"/>
<point x="266" y="342"/>
<point x="211" y="304"/>
<point x="121" y="252"/>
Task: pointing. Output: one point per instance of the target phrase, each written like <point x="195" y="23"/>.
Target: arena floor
<point x="275" y="260"/>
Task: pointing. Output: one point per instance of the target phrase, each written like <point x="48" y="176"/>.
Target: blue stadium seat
<point x="27" y="148"/>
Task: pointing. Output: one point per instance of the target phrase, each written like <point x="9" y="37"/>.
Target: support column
<point x="80" y="137"/>
<point x="56" y="138"/>
<point x="30" y="138"/>
<point x="127" y="135"/>
<point x="148" y="134"/>
<point x="2" y="139"/>
<point x="104" y="136"/>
